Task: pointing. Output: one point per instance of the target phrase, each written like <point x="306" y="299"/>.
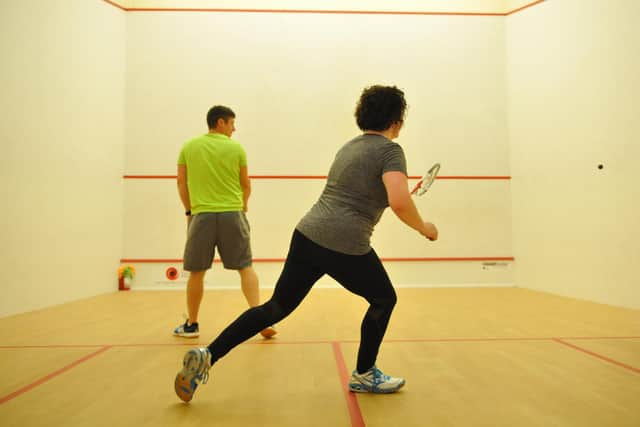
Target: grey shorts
<point x="227" y="231"/>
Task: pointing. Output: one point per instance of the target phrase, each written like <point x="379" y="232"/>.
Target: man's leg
<point x="199" y="251"/>
<point x="251" y="290"/>
<point x="298" y="276"/>
<point x="250" y="286"/>
<point x="195" y="290"/>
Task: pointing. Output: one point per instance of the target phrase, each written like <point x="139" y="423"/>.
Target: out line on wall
<point x="383" y="259"/>
<point x="450" y="177"/>
<point x="320" y="11"/>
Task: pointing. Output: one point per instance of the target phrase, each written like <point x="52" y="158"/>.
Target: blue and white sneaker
<point x="187" y="330"/>
<point x="374" y="381"/>
<point x="195" y="371"/>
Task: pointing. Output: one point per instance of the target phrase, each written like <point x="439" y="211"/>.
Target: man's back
<point x="213" y="163"/>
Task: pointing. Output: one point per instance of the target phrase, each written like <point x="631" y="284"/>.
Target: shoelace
<point x="378" y="376"/>
<point x="186" y="320"/>
<point x="203" y="372"/>
<point x="204" y="376"/>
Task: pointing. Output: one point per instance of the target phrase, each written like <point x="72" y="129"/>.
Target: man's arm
<point x="402" y="204"/>
<point x="183" y="189"/>
<point x="245" y="183"/>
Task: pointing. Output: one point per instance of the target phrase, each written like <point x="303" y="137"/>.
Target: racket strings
<point x="423" y="185"/>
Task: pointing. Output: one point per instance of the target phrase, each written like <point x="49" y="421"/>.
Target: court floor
<point x="471" y="357"/>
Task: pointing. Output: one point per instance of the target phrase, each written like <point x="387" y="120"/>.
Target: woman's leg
<point x="300" y="272"/>
<point x="365" y="276"/>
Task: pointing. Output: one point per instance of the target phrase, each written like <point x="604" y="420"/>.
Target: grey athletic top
<point x="354" y="197"/>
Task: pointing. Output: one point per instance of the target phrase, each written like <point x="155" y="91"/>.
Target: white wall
<point x="73" y="71"/>
<point x="574" y="84"/>
<point x="293" y="80"/>
<point x="62" y="139"/>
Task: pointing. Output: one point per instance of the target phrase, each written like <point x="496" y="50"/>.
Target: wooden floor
<point x="471" y="357"/>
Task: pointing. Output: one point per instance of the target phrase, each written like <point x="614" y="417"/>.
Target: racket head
<point x="423" y="185"/>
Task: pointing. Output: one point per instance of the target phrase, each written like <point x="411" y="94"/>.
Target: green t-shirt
<point x="213" y="164"/>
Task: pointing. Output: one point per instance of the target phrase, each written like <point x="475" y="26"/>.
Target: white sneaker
<point x="374" y="381"/>
<point x="195" y="371"/>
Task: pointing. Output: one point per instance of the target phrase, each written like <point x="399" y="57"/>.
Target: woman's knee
<point x="389" y="301"/>
<point x="274" y="311"/>
<point x="381" y="308"/>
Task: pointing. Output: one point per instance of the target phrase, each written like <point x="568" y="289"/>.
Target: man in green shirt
<point x="214" y="187"/>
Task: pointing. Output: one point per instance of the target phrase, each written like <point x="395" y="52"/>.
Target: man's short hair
<point x="219" y="112"/>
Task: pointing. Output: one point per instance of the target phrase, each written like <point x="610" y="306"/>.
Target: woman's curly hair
<point x="379" y="107"/>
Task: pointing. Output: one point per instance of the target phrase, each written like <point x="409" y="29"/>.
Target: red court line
<point x="352" y="403"/>
<point x="318" y="11"/>
<point x="429" y="259"/>
<point x="600" y="338"/>
<point x="288" y="176"/>
<point x="469" y="177"/>
<point x="439" y="340"/>
<point x="4" y="347"/>
<point x="150" y="176"/>
<point x="599" y="356"/>
<point x="450" y="177"/>
<point x="520" y="9"/>
<point x="271" y="260"/>
<point x="115" y="4"/>
<point x="279" y="341"/>
<point x="52" y="375"/>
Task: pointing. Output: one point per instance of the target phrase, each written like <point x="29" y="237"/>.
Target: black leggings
<point x="307" y="262"/>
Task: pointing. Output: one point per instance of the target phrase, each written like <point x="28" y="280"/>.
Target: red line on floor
<point x="277" y="341"/>
<point x="5" y="347"/>
<point x="599" y="356"/>
<point x="441" y="340"/>
<point x="438" y="340"/>
<point x="52" y="375"/>
<point x="352" y="403"/>
<point x="600" y="338"/>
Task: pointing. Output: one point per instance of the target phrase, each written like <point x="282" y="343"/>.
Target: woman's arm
<point x="401" y="203"/>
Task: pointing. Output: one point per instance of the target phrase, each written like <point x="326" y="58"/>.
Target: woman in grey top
<point x="368" y="174"/>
